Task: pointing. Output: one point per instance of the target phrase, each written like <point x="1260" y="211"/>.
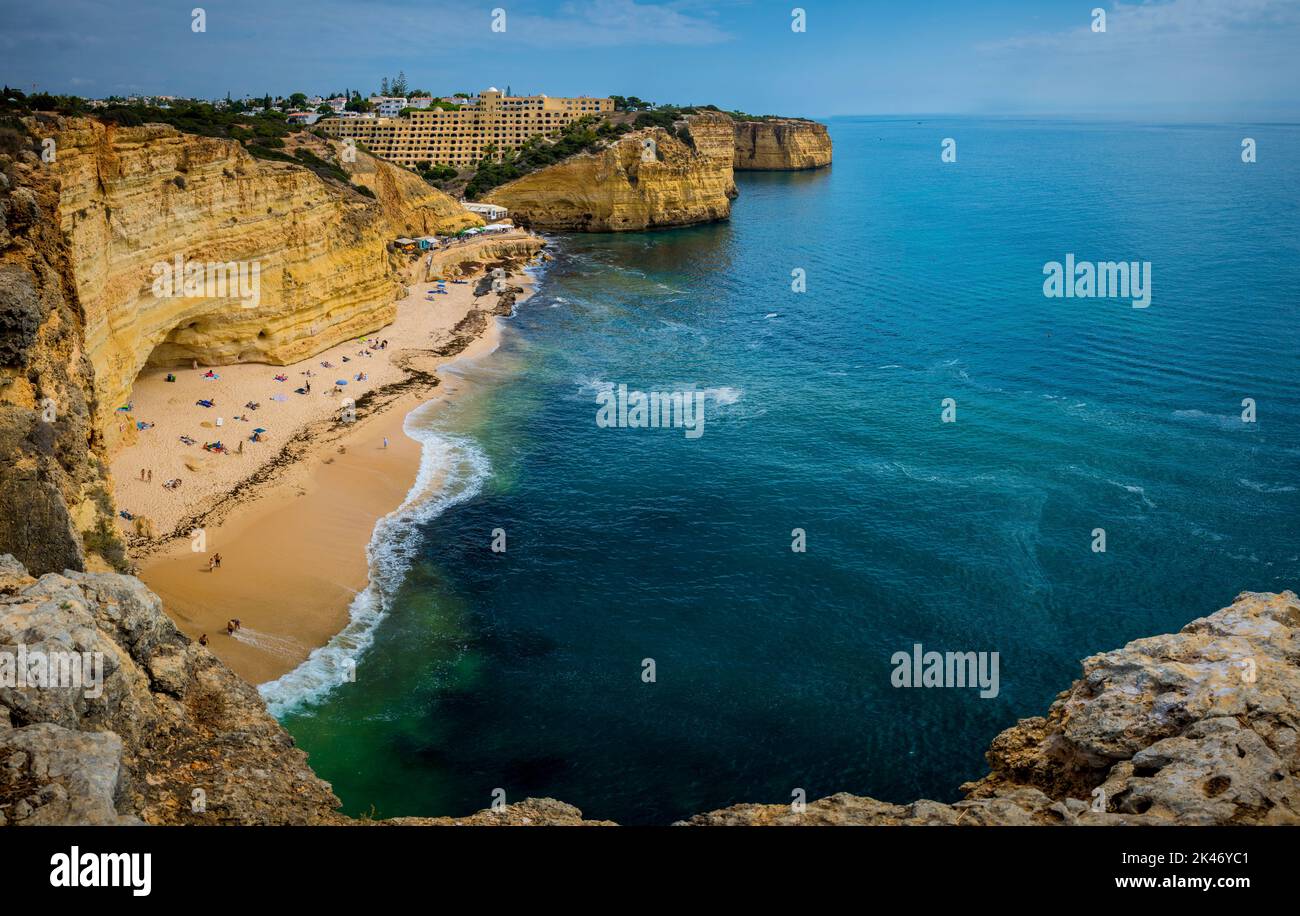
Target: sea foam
<point x="452" y="470"/>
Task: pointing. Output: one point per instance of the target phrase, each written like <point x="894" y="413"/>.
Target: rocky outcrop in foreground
<point x="1198" y="727"/>
<point x="174" y="737"/>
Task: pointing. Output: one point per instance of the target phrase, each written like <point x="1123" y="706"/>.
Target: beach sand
<point x="293" y="545"/>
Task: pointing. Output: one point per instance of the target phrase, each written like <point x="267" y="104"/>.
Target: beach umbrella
<point x="259" y="430"/>
<point x="340" y="381"/>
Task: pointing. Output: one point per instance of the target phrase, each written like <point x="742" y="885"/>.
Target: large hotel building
<point x="459" y="137"/>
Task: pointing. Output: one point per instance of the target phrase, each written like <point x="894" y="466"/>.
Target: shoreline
<point x="295" y="534"/>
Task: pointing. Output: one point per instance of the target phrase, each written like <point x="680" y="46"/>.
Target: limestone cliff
<point x="134" y="199"/>
<point x="411" y="206"/>
<point x="781" y="144"/>
<point x="174" y="737"/>
<point x="713" y="135"/>
<point x="1193" y="728"/>
<point x="53" y="482"/>
<point x="1198" y="727"/>
<point x="648" y="179"/>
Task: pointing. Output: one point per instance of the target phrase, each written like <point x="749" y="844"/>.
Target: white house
<point x="387" y="106"/>
<point x="491" y="212"/>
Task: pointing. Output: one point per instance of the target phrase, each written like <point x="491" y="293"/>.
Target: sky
<point x="1175" y="59"/>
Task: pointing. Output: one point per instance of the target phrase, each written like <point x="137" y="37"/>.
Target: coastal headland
<point x="1166" y="730"/>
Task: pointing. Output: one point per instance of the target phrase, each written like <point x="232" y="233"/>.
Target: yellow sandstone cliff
<point x="135" y="198"/>
<point x="410" y="204"/>
<point x="648" y="179"/>
<point x="713" y="135"/>
<point x="780" y="144"/>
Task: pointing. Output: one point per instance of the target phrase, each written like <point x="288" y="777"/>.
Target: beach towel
<point x="282" y="378"/>
<point x="279" y="397"/>
<point x="203" y="402"/>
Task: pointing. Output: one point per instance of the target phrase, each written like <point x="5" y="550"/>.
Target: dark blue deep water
<point x="522" y="670"/>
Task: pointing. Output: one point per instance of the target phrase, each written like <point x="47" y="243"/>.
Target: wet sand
<point x="294" y="553"/>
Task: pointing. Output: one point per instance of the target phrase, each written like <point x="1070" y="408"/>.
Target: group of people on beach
<point x="232" y="626"/>
<point x="214" y="562"/>
<point x="372" y="346"/>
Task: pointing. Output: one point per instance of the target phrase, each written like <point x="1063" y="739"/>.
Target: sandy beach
<point x="291" y="516"/>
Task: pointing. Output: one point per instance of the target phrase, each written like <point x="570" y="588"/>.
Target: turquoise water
<point x="522" y="670"/>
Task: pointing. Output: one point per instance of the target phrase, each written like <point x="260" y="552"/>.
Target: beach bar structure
<point x="492" y="212"/>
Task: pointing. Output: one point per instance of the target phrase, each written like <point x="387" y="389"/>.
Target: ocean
<point x="648" y="645"/>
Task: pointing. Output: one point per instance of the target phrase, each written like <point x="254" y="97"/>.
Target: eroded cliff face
<point x="1198" y="727"/>
<point x="172" y="736"/>
<point x="1194" y="728"/>
<point x="53" y="482"/>
<point x="410" y="205"/>
<point x="780" y="144"/>
<point x="646" y="180"/>
<point x="134" y="200"/>
<point x="713" y="136"/>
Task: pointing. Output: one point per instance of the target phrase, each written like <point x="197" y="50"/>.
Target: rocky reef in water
<point x="1198" y="727"/>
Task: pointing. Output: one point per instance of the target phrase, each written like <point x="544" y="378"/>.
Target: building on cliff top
<point x="460" y="137"/>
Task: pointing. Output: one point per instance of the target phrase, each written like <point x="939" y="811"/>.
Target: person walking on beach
<point x="216" y="558"/>
<point x="142" y="473"/>
<point x="150" y="475"/>
<point x="230" y="628"/>
<point x="385" y="442"/>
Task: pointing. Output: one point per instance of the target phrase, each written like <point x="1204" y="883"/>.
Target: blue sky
<point x="1210" y="59"/>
